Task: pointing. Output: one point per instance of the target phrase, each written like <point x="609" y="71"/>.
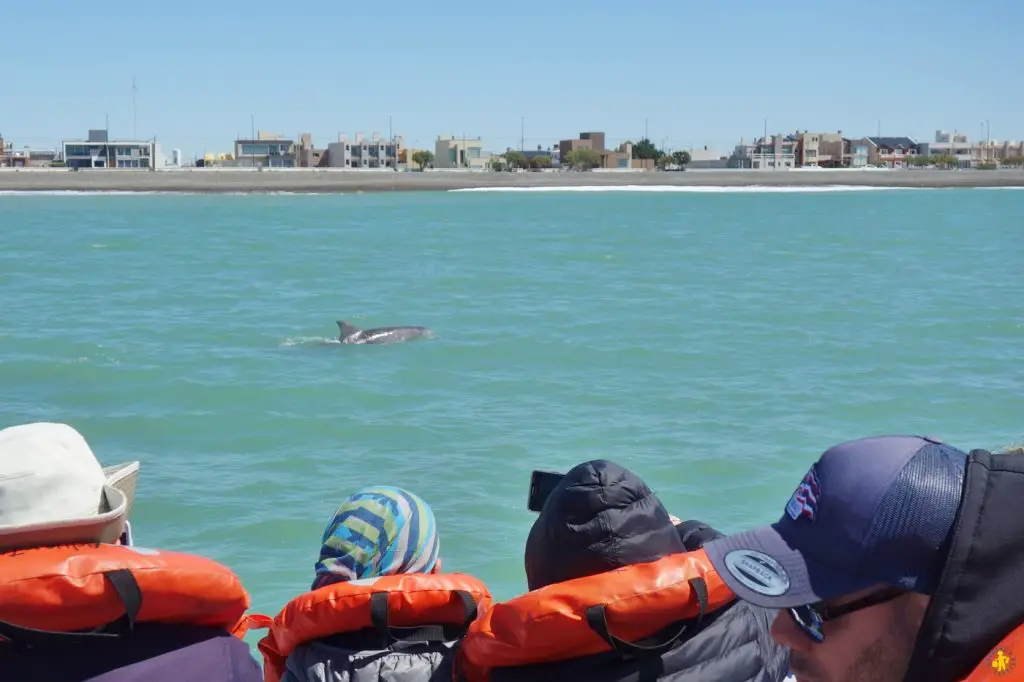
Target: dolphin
<point x="352" y="334"/>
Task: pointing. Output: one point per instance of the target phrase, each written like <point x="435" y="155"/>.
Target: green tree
<point x="681" y="159"/>
<point x="940" y="160"/>
<point x="540" y="162"/>
<point x="516" y="159"/>
<point x="645" y="149"/>
<point x="583" y="159"/>
<point x="422" y="158"/>
<point x="497" y="163"/>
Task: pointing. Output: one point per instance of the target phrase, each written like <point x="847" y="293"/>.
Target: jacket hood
<point x="977" y="601"/>
<point x="695" y="533"/>
<point x="600" y="517"/>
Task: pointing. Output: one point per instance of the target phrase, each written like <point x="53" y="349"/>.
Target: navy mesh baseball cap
<point x="873" y="510"/>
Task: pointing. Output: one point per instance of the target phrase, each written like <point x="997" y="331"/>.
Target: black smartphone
<point x="541" y="485"/>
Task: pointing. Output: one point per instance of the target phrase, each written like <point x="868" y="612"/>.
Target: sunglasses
<point x="812" y="617"/>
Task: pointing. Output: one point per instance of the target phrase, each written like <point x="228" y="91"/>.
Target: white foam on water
<point x="710" y="189"/>
<point x="309" y="341"/>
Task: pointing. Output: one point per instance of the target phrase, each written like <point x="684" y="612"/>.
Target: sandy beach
<point x="338" y="181"/>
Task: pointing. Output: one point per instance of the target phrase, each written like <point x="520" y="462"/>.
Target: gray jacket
<point x="733" y="645"/>
<point x="402" y="662"/>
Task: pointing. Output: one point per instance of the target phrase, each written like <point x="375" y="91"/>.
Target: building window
<point x="255" y="150"/>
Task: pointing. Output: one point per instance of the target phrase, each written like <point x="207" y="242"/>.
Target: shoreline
<point x="317" y="181"/>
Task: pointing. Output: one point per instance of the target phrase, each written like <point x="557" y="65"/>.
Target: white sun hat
<point x="53" y="491"/>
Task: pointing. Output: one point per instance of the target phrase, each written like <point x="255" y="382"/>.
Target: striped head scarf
<point x="379" y="530"/>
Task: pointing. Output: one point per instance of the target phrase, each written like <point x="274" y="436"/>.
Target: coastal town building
<point x="830" y="150"/>
<point x="957" y="145"/>
<point x="98" y="151"/>
<point x="893" y="152"/>
<point x="308" y="156"/>
<point x="267" y="150"/>
<point x="802" y="148"/>
<point x="740" y="156"/>
<point x="405" y="161"/>
<point x="210" y="159"/>
<point x="362" y="153"/>
<point x="620" y="158"/>
<point x="551" y="152"/>
<point x="593" y="141"/>
<point x="810" y="149"/>
<point x="856" y="152"/>
<point x="25" y="157"/>
<point x="704" y="159"/>
<point x="460" y="152"/>
<point x="824" y="150"/>
<point x="775" y="152"/>
<point x="993" y="151"/>
<point x="6" y="153"/>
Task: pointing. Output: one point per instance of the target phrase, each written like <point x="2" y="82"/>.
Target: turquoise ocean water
<point x="713" y="342"/>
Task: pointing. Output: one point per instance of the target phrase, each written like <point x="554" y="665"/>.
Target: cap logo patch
<point x="804" y="501"/>
<point x="758" y="572"/>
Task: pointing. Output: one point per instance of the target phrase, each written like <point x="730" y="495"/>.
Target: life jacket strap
<point x="597" y="619"/>
<point x="421" y="633"/>
<point x="126" y="587"/>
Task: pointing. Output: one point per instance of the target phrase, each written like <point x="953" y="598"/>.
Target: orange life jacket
<point x="52" y="591"/>
<point x="404" y="601"/>
<point x="1004" y="663"/>
<point x="598" y="613"/>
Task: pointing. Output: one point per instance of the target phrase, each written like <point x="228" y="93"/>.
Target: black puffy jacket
<point x="977" y="601"/>
<point x="601" y="517"/>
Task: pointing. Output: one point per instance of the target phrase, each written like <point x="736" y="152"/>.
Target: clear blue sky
<point x="701" y="73"/>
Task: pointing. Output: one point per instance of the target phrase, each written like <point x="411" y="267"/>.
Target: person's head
<point x="854" y="558"/>
<point x="379" y="530"/>
<point x="53" y="491"/>
<point x="599" y="517"/>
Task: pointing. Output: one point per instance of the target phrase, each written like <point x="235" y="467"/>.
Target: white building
<point x="362" y="153"/>
<point x="956" y="144"/>
<point x="776" y="152"/>
<point x="460" y="152"/>
<point x="100" y="152"/>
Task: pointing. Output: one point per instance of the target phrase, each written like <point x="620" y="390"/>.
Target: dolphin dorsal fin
<point x="346" y="329"/>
